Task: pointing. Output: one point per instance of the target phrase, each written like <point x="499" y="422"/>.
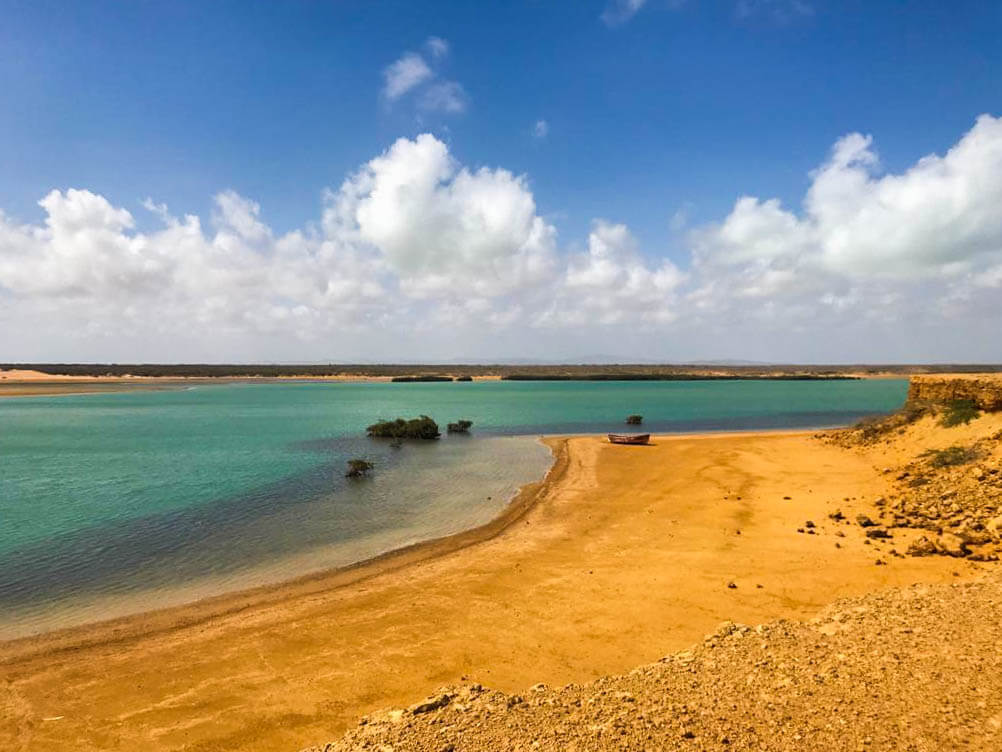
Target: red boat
<point x="629" y="438"/>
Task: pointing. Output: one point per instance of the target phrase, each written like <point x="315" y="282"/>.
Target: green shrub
<point x="634" y="420"/>
<point x="951" y="456"/>
<point x="358" y="468"/>
<point x="959" y="412"/>
<point x="460" y="426"/>
<point x="416" y="428"/>
<point x="419" y="379"/>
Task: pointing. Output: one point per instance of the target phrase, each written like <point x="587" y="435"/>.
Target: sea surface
<point x="121" y="502"/>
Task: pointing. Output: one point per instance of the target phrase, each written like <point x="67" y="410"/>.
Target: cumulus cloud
<point x="415" y="246"/>
<point x="404" y="74"/>
<point x="443" y="228"/>
<point x="610" y="283"/>
<point x="940" y="216"/>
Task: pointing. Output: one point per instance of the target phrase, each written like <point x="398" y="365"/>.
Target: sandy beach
<point x="622" y="555"/>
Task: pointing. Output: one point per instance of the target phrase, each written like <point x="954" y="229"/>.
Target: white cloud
<point x="446" y="96"/>
<point x="940" y="216"/>
<point x="610" y="283"/>
<point x="437" y="47"/>
<point x="442" y="228"/>
<point x="540" y="130"/>
<point x="412" y="73"/>
<point x="415" y="248"/>
<point x="409" y="71"/>
<point x="620" y="11"/>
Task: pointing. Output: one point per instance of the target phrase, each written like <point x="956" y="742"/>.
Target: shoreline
<point x="619" y="555"/>
<point x="152" y="621"/>
<point x="26" y="383"/>
<point x="156" y="621"/>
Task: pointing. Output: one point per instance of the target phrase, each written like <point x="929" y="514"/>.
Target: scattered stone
<point x="837" y="515"/>
<point x="864" y="521"/>
<point x="952" y="545"/>
<point x="877" y="532"/>
<point x="732" y="585"/>
<point x="434" y="702"/>
<point x="809" y="523"/>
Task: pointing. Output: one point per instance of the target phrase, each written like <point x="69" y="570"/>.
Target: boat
<point x="629" y="438"/>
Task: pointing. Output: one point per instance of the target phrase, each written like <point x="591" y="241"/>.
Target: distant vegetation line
<point x="433" y="372"/>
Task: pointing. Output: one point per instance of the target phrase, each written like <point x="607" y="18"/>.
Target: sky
<point x="365" y="181"/>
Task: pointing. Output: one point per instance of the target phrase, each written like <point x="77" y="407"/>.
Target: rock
<point x="865" y="521"/>
<point x="837" y="515"/>
<point x="732" y="585"/>
<point x="994" y="526"/>
<point x="952" y="545"/>
<point x="434" y="702"/>
<point x="808" y="524"/>
<point x="974" y="537"/>
<point x="877" y="532"/>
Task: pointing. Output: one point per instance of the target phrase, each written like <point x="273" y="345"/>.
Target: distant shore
<point x="27" y="380"/>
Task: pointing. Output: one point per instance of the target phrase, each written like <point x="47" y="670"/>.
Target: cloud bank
<point x="416" y="256"/>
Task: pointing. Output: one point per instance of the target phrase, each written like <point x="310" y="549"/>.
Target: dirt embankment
<point x="984" y="390"/>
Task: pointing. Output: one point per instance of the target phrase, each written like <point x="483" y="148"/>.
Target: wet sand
<point x="623" y="555"/>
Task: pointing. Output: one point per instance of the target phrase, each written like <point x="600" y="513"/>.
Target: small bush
<point x="460" y="426"/>
<point x="873" y="428"/>
<point x="951" y="456"/>
<point x="959" y="412"/>
<point x="358" y="468"/>
<point x="422" y="427"/>
<point x="634" y="420"/>
<point x="419" y="379"/>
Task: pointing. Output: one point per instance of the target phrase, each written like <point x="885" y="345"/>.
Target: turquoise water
<point x="109" y="500"/>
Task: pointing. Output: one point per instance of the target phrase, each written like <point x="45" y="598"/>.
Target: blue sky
<point x="657" y="120"/>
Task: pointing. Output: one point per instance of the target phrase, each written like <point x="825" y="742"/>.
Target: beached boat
<point x="629" y="438"/>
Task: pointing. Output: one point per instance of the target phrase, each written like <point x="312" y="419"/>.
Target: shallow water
<point x="113" y="503"/>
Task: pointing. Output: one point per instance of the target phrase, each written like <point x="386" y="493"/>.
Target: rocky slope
<point x="984" y="390"/>
<point x="944" y="467"/>
<point x="913" y="669"/>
